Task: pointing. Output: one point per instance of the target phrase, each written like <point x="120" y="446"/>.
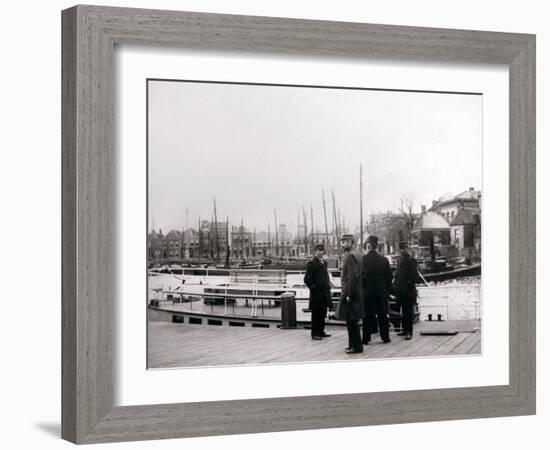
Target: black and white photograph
<point x="293" y="224"/>
<point x="275" y="224"/>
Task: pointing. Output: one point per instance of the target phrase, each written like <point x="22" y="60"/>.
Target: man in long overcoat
<point x="318" y="281"/>
<point x="404" y="287"/>
<point x="351" y="307"/>
<point x="377" y="282"/>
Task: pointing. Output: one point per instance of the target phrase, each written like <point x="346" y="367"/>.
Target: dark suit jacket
<point x="352" y="288"/>
<point x="377" y="281"/>
<point x="318" y="282"/>
<point x="406" y="276"/>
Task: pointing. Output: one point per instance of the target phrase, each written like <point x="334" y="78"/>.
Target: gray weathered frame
<point x="89" y="36"/>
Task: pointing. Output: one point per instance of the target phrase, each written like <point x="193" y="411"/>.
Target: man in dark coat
<point x="377" y="281"/>
<point x="404" y="287"/>
<point x="350" y="306"/>
<point x="318" y="282"/>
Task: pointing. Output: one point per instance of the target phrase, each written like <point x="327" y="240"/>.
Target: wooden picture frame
<point x="89" y="37"/>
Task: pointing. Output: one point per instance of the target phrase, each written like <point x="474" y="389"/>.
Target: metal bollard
<point x="288" y="311"/>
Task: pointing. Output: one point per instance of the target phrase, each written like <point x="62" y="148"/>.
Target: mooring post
<point x="288" y="311"/>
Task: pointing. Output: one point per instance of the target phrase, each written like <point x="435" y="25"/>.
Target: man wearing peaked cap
<point x="318" y="281"/>
<point x="377" y="280"/>
<point x="350" y="307"/>
<point x="404" y="287"/>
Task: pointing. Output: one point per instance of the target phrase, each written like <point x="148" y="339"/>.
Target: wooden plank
<point x="69" y="261"/>
<point x="467" y="345"/>
<point x="184" y="345"/>
<point x="450" y="344"/>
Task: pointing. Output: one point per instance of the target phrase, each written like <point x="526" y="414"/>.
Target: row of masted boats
<point x="431" y="270"/>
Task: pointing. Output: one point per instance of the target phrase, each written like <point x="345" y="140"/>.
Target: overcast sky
<point x="260" y="148"/>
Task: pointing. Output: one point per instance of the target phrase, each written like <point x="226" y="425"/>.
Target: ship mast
<point x="211" y="237"/>
<point x="216" y="231"/>
<point x="361" y="204"/>
<point x="241" y="237"/>
<point x="298" y="236"/>
<point x="227" y="246"/>
<point x="182" y="252"/>
<point x="343" y="221"/>
<point x="268" y="239"/>
<point x="276" y="235"/>
<point x="326" y="223"/>
<point x="336" y="231"/>
<point x="312" y="229"/>
<point x="305" y="230"/>
<point x="200" y="242"/>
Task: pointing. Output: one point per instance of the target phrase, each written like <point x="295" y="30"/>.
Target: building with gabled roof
<point x="172" y="245"/>
<point x="449" y="205"/>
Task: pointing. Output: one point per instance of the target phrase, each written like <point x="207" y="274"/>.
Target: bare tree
<point x="406" y="206"/>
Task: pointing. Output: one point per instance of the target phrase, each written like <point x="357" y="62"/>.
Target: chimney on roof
<point x="423" y="209"/>
<point x="471" y="189"/>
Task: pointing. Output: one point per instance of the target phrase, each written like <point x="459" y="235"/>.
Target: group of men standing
<point x="367" y="283"/>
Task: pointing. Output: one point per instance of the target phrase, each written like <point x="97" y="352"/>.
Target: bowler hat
<point x="347" y="237"/>
<point x="373" y="240"/>
<point x="320" y="247"/>
<point x="403" y="245"/>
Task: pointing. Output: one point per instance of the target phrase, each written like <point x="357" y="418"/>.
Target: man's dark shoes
<point x="317" y="338"/>
<point x="408" y="337"/>
<point x="352" y="350"/>
<point x="386" y="341"/>
<point x="326" y="335"/>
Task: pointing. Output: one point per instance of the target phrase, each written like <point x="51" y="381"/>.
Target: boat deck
<point x="188" y="345"/>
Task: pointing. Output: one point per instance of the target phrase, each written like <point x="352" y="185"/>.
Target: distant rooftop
<point x="431" y="221"/>
<point x="470" y="194"/>
<point x="173" y="234"/>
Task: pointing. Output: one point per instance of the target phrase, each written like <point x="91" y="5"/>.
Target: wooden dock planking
<point x="201" y="345"/>
<point x="425" y="345"/>
<point x="468" y="345"/>
<point x="450" y="344"/>
<point x="187" y="345"/>
<point x="316" y="350"/>
<point x="476" y="349"/>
